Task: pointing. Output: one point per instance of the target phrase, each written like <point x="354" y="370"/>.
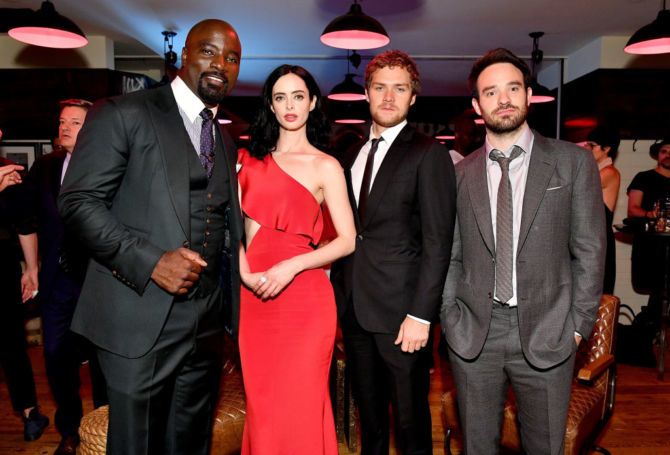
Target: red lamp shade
<point x="350" y="121"/>
<point x="541" y="94"/>
<point x="46" y="28"/>
<point x="653" y="38"/>
<point x="355" y="30"/>
<point x="348" y="90"/>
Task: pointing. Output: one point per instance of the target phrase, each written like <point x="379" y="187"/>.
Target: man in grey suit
<point x="527" y="265"/>
<point x="152" y="192"/>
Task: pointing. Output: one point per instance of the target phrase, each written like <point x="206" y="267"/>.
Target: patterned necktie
<point x="504" y="223"/>
<point x="206" y="154"/>
<point x="367" y="178"/>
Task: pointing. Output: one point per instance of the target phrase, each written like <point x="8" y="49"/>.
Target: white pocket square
<point x="238" y="166"/>
<point x="555" y="188"/>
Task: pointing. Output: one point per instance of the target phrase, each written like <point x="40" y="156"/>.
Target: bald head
<point x="211" y="60"/>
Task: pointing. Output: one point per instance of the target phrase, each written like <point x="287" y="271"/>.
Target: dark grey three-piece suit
<point x="134" y="190"/>
<point x="559" y="266"/>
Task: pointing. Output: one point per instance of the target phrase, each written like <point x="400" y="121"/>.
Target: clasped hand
<point x="178" y="270"/>
<point x="270" y="283"/>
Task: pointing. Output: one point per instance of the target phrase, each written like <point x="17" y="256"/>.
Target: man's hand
<point x="413" y="335"/>
<point x="9" y="175"/>
<point x="29" y="284"/>
<point x="178" y="270"/>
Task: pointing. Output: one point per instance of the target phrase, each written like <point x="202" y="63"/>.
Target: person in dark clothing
<point x="61" y="277"/>
<point x="17" y="237"/>
<point x="603" y="142"/>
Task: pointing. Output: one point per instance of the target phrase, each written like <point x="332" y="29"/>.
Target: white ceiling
<point x="434" y="31"/>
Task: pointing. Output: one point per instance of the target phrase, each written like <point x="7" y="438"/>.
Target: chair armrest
<point x="594" y="369"/>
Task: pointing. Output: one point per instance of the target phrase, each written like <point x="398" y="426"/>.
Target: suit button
<point x="359" y="237"/>
<point x="114" y="273"/>
<point x="490" y="295"/>
<point x="208" y="221"/>
<point x="207" y="233"/>
<point x="209" y="195"/>
<point x="186" y="244"/>
<point x="204" y="244"/>
<point x="209" y="208"/>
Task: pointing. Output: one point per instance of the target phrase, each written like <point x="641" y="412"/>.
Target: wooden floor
<point x="640" y="424"/>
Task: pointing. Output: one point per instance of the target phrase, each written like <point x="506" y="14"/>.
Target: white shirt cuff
<point x="423" y="321"/>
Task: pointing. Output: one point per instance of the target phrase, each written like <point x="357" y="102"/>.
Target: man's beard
<point x="665" y="163"/>
<point x="212" y="94"/>
<point x="506" y="124"/>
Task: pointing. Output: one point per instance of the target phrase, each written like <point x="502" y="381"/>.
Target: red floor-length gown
<point x="286" y="343"/>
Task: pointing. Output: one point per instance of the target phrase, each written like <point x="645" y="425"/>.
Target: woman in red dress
<point x="287" y="314"/>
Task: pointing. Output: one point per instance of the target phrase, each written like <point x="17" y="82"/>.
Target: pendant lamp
<point x="445" y="134"/>
<point x="46" y="28"/>
<point x="355" y="30"/>
<point x="541" y="94"/>
<point x="349" y="90"/>
<point x="653" y="38"/>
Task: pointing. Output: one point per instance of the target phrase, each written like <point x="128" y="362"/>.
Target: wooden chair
<point x="591" y="401"/>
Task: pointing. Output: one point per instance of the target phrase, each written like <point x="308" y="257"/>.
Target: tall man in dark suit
<point x="527" y="266"/>
<point x="152" y="192"/>
<point x="402" y="189"/>
<point x="61" y="277"/>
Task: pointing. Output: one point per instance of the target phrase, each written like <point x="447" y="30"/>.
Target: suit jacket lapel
<point x="388" y="167"/>
<point x="478" y="191"/>
<point x="347" y="161"/>
<point x="56" y="172"/>
<point x="174" y="144"/>
<point x="540" y="170"/>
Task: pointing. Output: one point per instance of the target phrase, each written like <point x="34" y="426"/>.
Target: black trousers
<point x="382" y="373"/>
<point x="64" y="352"/>
<point x="13" y="356"/>
<point x="542" y="395"/>
<point x="163" y="402"/>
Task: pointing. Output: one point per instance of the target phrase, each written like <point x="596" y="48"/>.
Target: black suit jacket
<point x="126" y="194"/>
<point x="404" y="243"/>
<point x="54" y="244"/>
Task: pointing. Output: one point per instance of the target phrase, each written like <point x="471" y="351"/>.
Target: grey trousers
<point x="482" y="383"/>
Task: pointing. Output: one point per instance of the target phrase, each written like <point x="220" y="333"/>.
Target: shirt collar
<point x="188" y="101"/>
<point x="390" y="134"/>
<point x="524" y="142"/>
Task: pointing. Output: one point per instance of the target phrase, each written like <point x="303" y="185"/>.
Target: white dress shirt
<point x="66" y="163"/>
<point x="358" y="167"/>
<point x="518" y="173"/>
<point x="190" y="107"/>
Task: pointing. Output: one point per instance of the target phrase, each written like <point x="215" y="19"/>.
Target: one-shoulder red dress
<point x="286" y="343"/>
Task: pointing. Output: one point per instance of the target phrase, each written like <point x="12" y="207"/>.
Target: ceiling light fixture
<point x="653" y="38"/>
<point x="349" y="90"/>
<point x="355" y="30"/>
<point x="445" y="134"/>
<point x="46" y="28"/>
<point x="541" y="94"/>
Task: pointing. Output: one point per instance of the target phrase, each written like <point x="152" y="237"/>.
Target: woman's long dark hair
<point x="265" y="128"/>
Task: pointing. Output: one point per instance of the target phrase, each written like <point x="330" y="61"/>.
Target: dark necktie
<point x="367" y="178"/>
<point x="504" y="223"/>
<point x="206" y="154"/>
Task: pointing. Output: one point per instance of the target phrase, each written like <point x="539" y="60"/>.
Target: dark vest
<point x="209" y="199"/>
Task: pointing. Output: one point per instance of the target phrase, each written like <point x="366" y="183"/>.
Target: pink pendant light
<point x="355" y="30"/>
<point x="541" y="94"/>
<point x="653" y="38"/>
<point x="46" y="28"/>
